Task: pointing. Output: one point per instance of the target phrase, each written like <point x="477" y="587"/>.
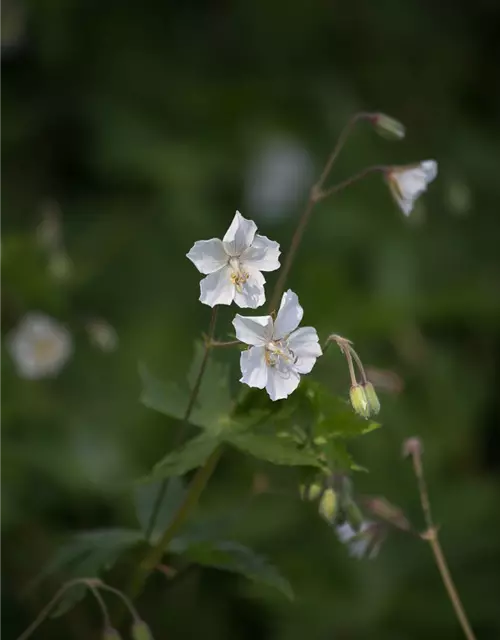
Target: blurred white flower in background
<point x="233" y="265"/>
<point x="102" y="335"/>
<point x="363" y="543"/>
<point x="408" y="182"/>
<point x="39" y="346"/>
<point x="277" y="178"/>
<point x="279" y="352"/>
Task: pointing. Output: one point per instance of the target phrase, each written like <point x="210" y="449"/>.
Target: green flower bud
<point x="328" y="505"/>
<point x="359" y="401"/>
<point x="388" y="127"/>
<point x="371" y="396"/>
<point x="110" y="633"/>
<point x="353" y="515"/>
<point x="141" y="631"/>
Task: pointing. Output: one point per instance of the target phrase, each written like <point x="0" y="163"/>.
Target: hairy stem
<point x="180" y="434"/>
<point x="432" y="537"/>
<point x="317" y="194"/>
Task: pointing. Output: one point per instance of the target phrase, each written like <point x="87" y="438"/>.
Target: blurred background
<point x="132" y="129"/>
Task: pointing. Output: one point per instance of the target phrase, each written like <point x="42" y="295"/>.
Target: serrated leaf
<point x="166" y="397"/>
<point x="334" y="416"/>
<point x="273" y="449"/>
<point x="190" y="456"/>
<point x="154" y="496"/>
<point x="213" y="401"/>
<point x="234" y="557"/>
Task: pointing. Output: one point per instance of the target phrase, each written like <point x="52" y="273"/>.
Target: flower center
<point x="276" y="349"/>
<point x="238" y="276"/>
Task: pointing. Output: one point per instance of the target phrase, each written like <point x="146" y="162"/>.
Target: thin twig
<point x="180" y="434"/>
<point x="48" y="607"/>
<point x="101" y="603"/>
<point x="378" y="168"/>
<point x="431" y="536"/>
<point x="124" y="599"/>
<point x="316" y="194"/>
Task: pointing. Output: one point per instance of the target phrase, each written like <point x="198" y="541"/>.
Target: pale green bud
<point x="328" y="505"/>
<point x="388" y="127"/>
<point x="359" y="401"/>
<point x="371" y="396"/>
<point x="141" y="631"/>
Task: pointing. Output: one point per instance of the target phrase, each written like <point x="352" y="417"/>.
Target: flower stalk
<point x="413" y="447"/>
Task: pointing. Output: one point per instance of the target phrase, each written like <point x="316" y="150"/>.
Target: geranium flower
<point x="279" y="352"/>
<point x="234" y="265"/>
<point x="39" y="346"/>
<point x="409" y="182"/>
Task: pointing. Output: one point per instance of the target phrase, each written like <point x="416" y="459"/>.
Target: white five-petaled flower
<point x="233" y="265"/>
<point x="39" y="346"/>
<point x="279" y="352"/>
<point x="407" y="183"/>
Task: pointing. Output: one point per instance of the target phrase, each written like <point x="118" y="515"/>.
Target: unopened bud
<point x="328" y="505"/>
<point x="412" y="446"/>
<point x="359" y="401"/>
<point x="388" y="127"/>
<point x="311" y="491"/>
<point x="141" y="631"/>
<point x="353" y="515"/>
<point x="371" y="396"/>
<point x="110" y="633"/>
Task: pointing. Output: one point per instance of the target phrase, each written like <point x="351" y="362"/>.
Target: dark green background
<point x="141" y="120"/>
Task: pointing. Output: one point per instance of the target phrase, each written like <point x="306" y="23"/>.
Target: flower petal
<point x="304" y="344"/>
<point x="253" y="367"/>
<point x="263" y="254"/>
<point x="430" y="168"/>
<point x="281" y="381"/>
<point x="217" y="288"/>
<point x="252" y="293"/>
<point x="208" y="256"/>
<point x="253" y="331"/>
<point x="289" y="315"/>
<point x="239" y="236"/>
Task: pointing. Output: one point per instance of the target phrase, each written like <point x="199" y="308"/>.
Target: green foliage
<point x="158" y="498"/>
<point x="191" y="455"/>
<point x="273" y="449"/>
<point x="213" y="401"/>
<point x="234" y="557"/>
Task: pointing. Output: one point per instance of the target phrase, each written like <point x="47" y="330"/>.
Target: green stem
<point x="192" y="399"/>
<point x="317" y="194"/>
<point x="378" y="168"/>
<point x="155" y="554"/>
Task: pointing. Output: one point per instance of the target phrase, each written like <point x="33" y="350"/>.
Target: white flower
<point x="365" y="542"/>
<point x="39" y="346"/>
<point x="234" y="265"/>
<point x="279" y="351"/>
<point x="409" y="182"/>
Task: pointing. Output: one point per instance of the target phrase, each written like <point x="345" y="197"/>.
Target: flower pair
<point x="278" y="351"/>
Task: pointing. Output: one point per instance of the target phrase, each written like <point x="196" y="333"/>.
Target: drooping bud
<point x="412" y="446"/>
<point x="388" y="127"/>
<point x="110" y="633"/>
<point x="311" y="491"/>
<point x="141" y="631"/>
<point x="359" y="401"/>
<point x="328" y="505"/>
<point x="372" y="398"/>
